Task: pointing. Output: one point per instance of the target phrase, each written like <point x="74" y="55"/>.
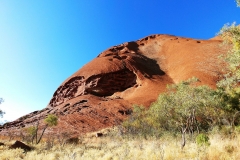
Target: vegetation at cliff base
<point x="187" y="108"/>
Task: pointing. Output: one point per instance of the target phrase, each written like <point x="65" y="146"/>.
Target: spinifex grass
<point x="108" y="147"/>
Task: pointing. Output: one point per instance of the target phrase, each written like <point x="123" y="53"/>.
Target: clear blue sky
<point x="43" y="42"/>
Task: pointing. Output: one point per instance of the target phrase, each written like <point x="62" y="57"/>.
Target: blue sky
<point x="44" y="42"/>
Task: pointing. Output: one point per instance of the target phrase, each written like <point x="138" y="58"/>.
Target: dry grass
<point x="118" y="148"/>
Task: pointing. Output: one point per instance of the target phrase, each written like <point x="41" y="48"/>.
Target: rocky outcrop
<point x="102" y="93"/>
<point x="99" y="85"/>
<point x="19" y="144"/>
<point x="123" y="65"/>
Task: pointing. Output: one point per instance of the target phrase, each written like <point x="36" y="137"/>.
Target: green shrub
<point x="51" y="120"/>
<point x="202" y="139"/>
<point x="237" y="129"/>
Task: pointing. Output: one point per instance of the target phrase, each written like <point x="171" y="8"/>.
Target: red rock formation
<point x="103" y="91"/>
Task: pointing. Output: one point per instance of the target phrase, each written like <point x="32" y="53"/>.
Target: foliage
<point x="31" y="130"/>
<point x="184" y="108"/>
<point x="237" y="129"/>
<point x="137" y="124"/>
<point x="231" y="35"/>
<point x="202" y="139"/>
<point x="1" y="112"/>
<point x="31" y="133"/>
<point x="238" y="3"/>
<point x="228" y="87"/>
<point x="51" y="120"/>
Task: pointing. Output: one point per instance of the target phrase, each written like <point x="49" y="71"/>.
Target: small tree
<point x="1" y="112"/>
<point x="137" y="124"/>
<point x="32" y="132"/>
<point x="238" y="3"/>
<point x="186" y="108"/>
<point x="50" y="120"/>
<point x="228" y="87"/>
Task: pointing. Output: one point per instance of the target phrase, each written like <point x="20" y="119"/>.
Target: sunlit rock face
<point x="102" y="93"/>
<point x="99" y="85"/>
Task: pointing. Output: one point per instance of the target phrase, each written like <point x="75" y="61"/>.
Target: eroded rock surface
<point x="102" y="93"/>
<point x="99" y="85"/>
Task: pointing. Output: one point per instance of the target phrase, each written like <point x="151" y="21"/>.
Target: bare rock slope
<point x="103" y="91"/>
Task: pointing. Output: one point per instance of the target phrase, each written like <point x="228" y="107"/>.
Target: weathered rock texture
<point x="103" y="91"/>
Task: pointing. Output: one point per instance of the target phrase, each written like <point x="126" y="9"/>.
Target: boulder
<point x="19" y="144"/>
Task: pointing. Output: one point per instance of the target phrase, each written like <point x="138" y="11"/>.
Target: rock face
<point x="99" y="85"/>
<point x="102" y="92"/>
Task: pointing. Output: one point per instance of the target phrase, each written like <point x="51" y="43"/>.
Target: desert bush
<point x="179" y="110"/>
<point x="72" y="140"/>
<point x="31" y="131"/>
<point x="202" y="139"/>
<point x="49" y="140"/>
<point x="137" y="124"/>
<point x="237" y="129"/>
<point x="62" y="137"/>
